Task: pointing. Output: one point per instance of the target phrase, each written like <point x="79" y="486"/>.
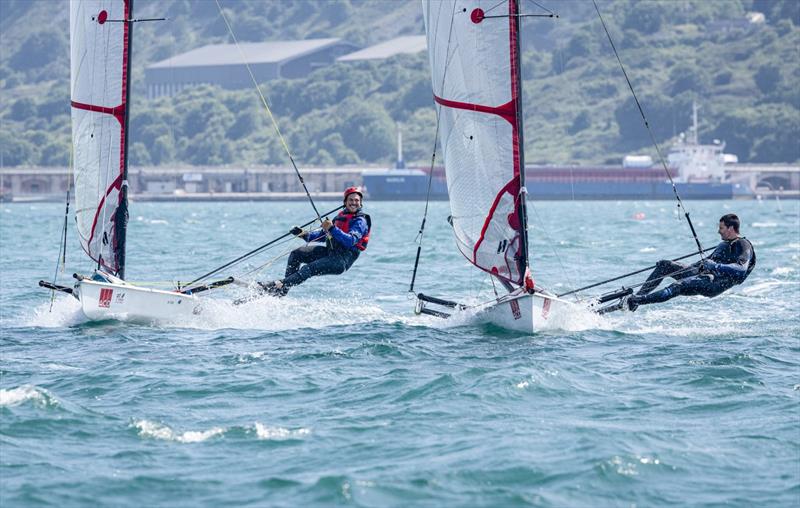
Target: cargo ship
<point x="697" y="169"/>
<point x="546" y="182"/>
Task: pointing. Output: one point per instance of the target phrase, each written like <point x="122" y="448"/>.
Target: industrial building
<point x="222" y="64"/>
<point x="407" y="44"/>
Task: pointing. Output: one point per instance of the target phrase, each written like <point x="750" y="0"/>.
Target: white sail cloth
<point x="98" y="74"/>
<point x="473" y="69"/>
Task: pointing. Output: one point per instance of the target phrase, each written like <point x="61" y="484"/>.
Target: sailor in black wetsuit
<point x="729" y="265"/>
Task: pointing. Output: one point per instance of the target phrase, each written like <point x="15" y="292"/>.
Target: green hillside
<point x="578" y="108"/>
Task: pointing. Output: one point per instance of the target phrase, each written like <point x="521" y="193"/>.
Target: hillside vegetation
<point x="578" y="108"/>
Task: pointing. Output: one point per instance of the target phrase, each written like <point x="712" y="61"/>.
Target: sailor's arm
<point x="315" y="236"/>
<point x="737" y="269"/>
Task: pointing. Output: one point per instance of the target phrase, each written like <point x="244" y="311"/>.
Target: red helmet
<point x="351" y="190"/>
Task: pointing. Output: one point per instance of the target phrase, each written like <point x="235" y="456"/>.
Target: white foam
<point x="26" y="393"/>
<point x="284" y="314"/>
<point x="279" y="433"/>
<point x="248" y="357"/>
<point x="66" y="311"/>
<point x="156" y="430"/>
<point x="782" y="270"/>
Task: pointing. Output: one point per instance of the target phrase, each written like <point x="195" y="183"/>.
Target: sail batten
<point x="99" y="87"/>
<point x="474" y="72"/>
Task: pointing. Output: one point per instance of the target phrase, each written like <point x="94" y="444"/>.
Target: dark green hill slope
<point x="744" y="75"/>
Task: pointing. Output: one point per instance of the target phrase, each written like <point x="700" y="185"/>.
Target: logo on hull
<point x="515" y="309"/>
<point x="105" y="297"/>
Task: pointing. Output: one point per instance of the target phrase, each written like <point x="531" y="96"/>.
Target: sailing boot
<point x="265" y="287"/>
<point x="633" y="302"/>
<point x="275" y="288"/>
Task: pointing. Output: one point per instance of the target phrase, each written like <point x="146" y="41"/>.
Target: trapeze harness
<point x="343" y="221"/>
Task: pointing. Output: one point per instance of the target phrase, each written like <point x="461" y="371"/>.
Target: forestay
<point x="474" y="70"/>
<point x="99" y="74"/>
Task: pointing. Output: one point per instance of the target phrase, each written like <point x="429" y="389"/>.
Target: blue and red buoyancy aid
<point x="343" y="221"/>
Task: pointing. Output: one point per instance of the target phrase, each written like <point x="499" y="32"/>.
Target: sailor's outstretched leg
<point x="333" y="264"/>
<point x="663" y="269"/>
<point x="703" y="284"/>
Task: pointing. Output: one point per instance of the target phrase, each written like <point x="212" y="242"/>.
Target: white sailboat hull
<point x="126" y="302"/>
<point x="524" y="312"/>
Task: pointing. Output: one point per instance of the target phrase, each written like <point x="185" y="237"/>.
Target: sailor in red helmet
<point x="347" y="236"/>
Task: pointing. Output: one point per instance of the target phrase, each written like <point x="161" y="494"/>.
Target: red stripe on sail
<point x="508" y="111"/>
<point x="115" y="185"/>
<point x="512" y="188"/>
<point x="117" y="112"/>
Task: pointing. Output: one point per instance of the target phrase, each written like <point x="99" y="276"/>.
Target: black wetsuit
<point x="729" y="265"/>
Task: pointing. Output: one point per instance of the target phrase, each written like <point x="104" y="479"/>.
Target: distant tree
<point x="54" y="105"/>
<point x="645" y="16"/>
<point x="316" y="95"/>
<point x="767" y="78"/>
<point x="15" y="151"/>
<point x="23" y="109"/>
<point x="723" y="78"/>
<point x="418" y="95"/>
<point x="581" y="122"/>
<point x="665" y="116"/>
<point x="367" y="129"/>
<point x="579" y="45"/>
<point x="336" y="11"/>
<point x="784" y="27"/>
<point x="39" y="49"/>
<point x="777" y="10"/>
<point x="138" y="155"/>
<point x="162" y="150"/>
<point x="247" y="121"/>
<point x="204" y="115"/>
<point x="334" y="145"/>
<point x="686" y="77"/>
<point x="55" y="153"/>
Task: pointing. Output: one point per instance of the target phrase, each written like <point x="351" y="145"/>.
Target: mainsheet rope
<point x="269" y="111"/>
<point x="650" y="132"/>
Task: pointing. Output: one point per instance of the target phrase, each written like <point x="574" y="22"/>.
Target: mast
<point x="516" y="93"/>
<point x="121" y="217"/>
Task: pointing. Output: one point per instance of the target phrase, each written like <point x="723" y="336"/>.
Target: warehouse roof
<point x="255" y="52"/>
<point x="392" y="47"/>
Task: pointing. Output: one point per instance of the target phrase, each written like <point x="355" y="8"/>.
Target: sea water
<point x="338" y="395"/>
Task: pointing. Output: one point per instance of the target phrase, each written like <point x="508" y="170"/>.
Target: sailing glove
<point x="297" y="231"/>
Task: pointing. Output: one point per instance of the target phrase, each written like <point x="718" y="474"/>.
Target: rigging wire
<point x="62" y="244"/>
<point x="650" y="132"/>
<point x="269" y="112"/>
<point x="421" y="232"/>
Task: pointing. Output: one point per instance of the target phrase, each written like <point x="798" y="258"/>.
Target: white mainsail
<point x="99" y="75"/>
<point x="474" y="69"/>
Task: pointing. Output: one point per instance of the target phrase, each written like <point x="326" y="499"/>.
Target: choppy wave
<point x="26" y="393"/>
<point x="156" y="430"/>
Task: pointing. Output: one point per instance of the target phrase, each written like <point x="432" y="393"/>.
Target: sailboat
<point x="100" y="77"/>
<point x="475" y="71"/>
